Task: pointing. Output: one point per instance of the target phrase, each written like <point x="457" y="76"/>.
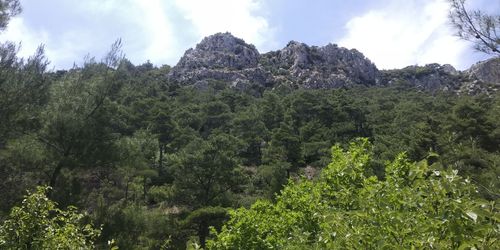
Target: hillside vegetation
<point x="155" y="164"/>
<point x="305" y="147"/>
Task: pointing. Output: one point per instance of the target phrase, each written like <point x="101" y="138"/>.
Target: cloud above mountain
<point x="240" y="17"/>
<point x="153" y="30"/>
<point x="405" y="33"/>
<point x="391" y="33"/>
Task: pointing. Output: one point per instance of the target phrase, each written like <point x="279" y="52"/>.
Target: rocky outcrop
<point x="218" y="57"/>
<point x="320" y="67"/>
<point x="482" y="77"/>
<point x="486" y="71"/>
<point x="226" y="59"/>
<point x="223" y="57"/>
<point x="222" y="51"/>
<point x="430" y="77"/>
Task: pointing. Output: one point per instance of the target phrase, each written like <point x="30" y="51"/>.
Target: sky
<point x="391" y="33"/>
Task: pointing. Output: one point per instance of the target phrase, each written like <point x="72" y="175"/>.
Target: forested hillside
<point x="155" y="163"/>
<point x="301" y="148"/>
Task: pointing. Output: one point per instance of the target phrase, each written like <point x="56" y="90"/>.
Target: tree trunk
<point x="126" y="190"/>
<point x="144" y="190"/>
<point x="202" y="234"/>
<point x="57" y="171"/>
<point x="53" y="178"/>
<point x="160" y="161"/>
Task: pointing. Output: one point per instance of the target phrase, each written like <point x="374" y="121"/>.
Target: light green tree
<point x="39" y="224"/>
<point x="415" y="206"/>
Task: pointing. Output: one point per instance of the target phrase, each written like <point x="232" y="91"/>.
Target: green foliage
<point x="133" y="226"/>
<point x="23" y="89"/>
<point x="39" y="224"/>
<point x="151" y="161"/>
<point x="251" y="130"/>
<point x="166" y="151"/>
<point x="415" y="206"/>
<point x="201" y="219"/>
<point x="206" y="171"/>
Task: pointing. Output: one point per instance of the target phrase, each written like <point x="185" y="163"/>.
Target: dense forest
<point x="112" y="155"/>
<point x="155" y="164"/>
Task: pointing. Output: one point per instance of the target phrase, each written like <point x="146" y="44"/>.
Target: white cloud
<point x="404" y="33"/>
<point x="146" y="32"/>
<point x="155" y="30"/>
<point x="29" y="40"/>
<point x="161" y="44"/>
<point x="18" y="33"/>
<point x="236" y="16"/>
<point x="144" y="27"/>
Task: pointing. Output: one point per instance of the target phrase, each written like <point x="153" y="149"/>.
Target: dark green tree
<point x="201" y="219"/>
<point x="205" y="172"/>
<point x="77" y="123"/>
<point x="24" y="87"/>
<point x="216" y="116"/>
<point x="247" y="127"/>
<point x="272" y="110"/>
<point x="23" y="91"/>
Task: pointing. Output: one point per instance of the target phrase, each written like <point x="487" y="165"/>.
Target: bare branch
<point x="476" y="26"/>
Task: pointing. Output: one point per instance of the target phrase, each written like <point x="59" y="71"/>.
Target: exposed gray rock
<point x="431" y="77"/>
<point x="218" y="57"/>
<point x="450" y="70"/>
<point x="435" y="77"/>
<point x="221" y="50"/>
<point x="320" y="67"/>
<point x="226" y="59"/>
<point x="486" y="71"/>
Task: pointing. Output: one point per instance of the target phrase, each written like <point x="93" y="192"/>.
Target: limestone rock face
<point x="486" y="71"/>
<point x="220" y="57"/>
<point x="482" y="77"/>
<point x="223" y="57"/>
<point x="229" y="60"/>
<point x="314" y="67"/>
<point x="432" y="77"/>
<point x="221" y="50"/>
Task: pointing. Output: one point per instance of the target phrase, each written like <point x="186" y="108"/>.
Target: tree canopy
<point x="39" y="224"/>
<point x="154" y="164"/>
<point x="414" y="206"/>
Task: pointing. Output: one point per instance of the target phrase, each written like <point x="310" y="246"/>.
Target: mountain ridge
<point x="225" y="58"/>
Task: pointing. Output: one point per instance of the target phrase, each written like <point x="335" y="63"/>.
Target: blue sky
<point x="391" y="33"/>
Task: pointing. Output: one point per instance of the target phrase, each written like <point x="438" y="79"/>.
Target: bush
<point x="415" y="206"/>
<point x="39" y="224"/>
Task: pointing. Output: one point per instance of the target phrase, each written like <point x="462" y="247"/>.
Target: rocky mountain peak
<point x="225" y="58"/>
<point x="295" y="54"/>
<point x="431" y="77"/>
<point x="224" y="42"/>
<point x="214" y="54"/>
<point x="221" y="50"/>
<point x="329" y="66"/>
